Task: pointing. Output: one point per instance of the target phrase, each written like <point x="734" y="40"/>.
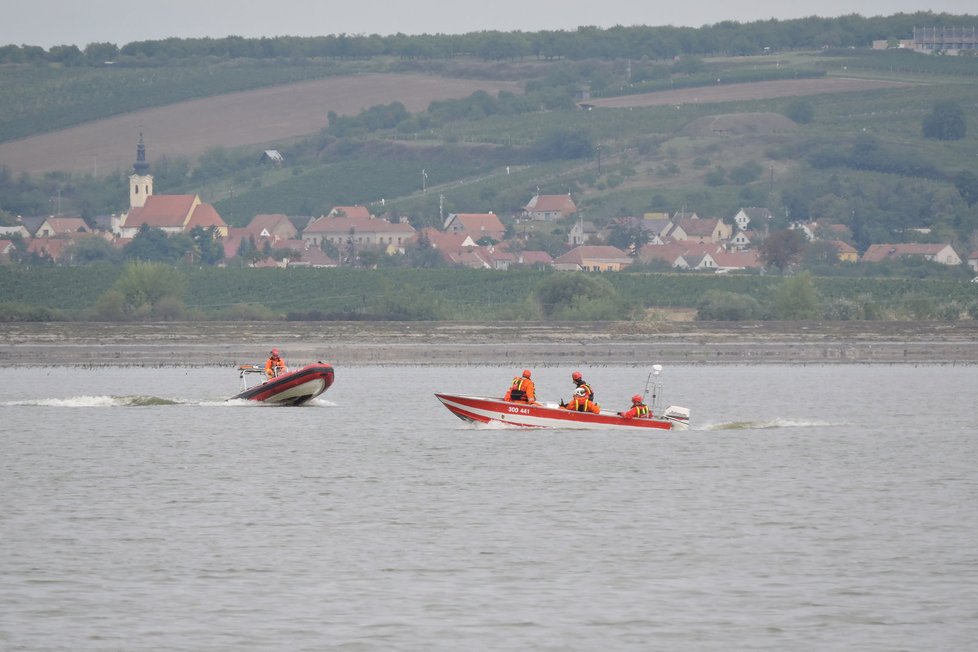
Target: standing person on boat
<point x="522" y="389"/>
<point x="275" y="366"/>
<point x="639" y="409"/>
<point x="580" y="382"/>
<point x="581" y="403"/>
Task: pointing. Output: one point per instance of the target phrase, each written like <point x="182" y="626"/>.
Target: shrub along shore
<point x="162" y="344"/>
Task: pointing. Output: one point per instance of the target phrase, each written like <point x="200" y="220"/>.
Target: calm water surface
<point x="809" y="508"/>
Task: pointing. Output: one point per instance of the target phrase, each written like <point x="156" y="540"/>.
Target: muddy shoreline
<point x="454" y="343"/>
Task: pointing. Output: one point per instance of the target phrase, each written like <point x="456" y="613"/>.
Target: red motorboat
<point x="486" y="409"/>
<point x="291" y="388"/>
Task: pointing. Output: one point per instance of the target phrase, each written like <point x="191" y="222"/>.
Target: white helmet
<point x="580" y="391"/>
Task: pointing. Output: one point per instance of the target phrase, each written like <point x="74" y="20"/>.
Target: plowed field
<point x="259" y="117"/>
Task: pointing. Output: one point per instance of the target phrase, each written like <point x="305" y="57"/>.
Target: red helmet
<point x="576" y="375"/>
<point x="274" y="351"/>
<point x="637" y="398"/>
<point x="526" y="373"/>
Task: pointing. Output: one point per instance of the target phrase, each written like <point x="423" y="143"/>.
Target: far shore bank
<point x="455" y="343"/>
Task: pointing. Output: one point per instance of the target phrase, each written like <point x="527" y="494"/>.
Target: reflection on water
<point x="807" y="508"/>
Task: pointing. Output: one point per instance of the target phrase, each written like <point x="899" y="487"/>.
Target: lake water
<point x="808" y="508"/>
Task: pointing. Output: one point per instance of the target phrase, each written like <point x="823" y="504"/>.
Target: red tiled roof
<point x="551" y="204"/>
<point x="593" y="252"/>
<point x="361" y="212"/>
<point x="205" y="216"/>
<point x="479" y="224"/>
<point x="343" y="225"/>
<point x="162" y="211"/>
<point x="698" y="227"/>
<point x="877" y="252"/>
<point x="60" y="225"/>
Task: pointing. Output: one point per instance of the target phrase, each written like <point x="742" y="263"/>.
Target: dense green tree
<point x="782" y="249"/>
<point x="797" y="298"/>
<point x="86" y="251"/>
<point x="154" y="245"/>
<point x="945" y="122"/>
<point x="564" y="144"/>
<point x="966" y="182"/>
<point x="579" y="296"/>
<point x="143" y="285"/>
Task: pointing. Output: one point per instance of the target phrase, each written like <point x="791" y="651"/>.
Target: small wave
<point x="98" y="401"/>
<point x="765" y="425"/>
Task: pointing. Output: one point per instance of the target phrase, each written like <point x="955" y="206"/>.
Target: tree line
<point x="726" y="38"/>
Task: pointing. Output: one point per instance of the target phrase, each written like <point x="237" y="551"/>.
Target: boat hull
<point x="482" y="409"/>
<point x="293" y="388"/>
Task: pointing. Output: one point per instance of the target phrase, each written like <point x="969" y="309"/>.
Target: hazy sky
<point x="80" y="22"/>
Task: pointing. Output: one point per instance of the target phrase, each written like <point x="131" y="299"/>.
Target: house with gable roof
<point x="939" y="253"/>
<point x="475" y="225"/>
<point x="53" y="227"/>
<point x="271" y="227"/>
<point x="702" y="229"/>
<point x="760" y="217"/>
<point x="547" y="208"/>
<point x="582" y="232"/>
<point x="593" y="258"/>
<point x="973" y="261"/>
<point x="845" y="252"/>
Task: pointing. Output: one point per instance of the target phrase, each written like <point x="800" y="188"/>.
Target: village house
<point x="271" y="227"/>
<point x="730" y="261"/>
<point x="973" y="261"/>
<point x="742" y="240"/>
<point x="702" y="229"/>
<point x="845" y="252"/>
<point x="759" y="217"/>
<point x="593" y="258"/>
<point x="939" y="253"/>
<point x="360" y="231"/>
<point x="475" y="225"/>
<point x="547" y="208"/>
<point x="11" y="231"/>
<point x="53" y="227"/>
<point x="535" y="259"/>
<point x="581" y="233"/>
<point x="668" y="253"/>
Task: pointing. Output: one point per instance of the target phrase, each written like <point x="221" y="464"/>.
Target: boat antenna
<point x="656" y="370"/>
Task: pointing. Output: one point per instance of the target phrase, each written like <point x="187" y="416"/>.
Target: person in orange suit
<point x="581" y="403"/>
<point x="522" y="389"/>
<point x="275" y="366"/>
<point x="639" y="409"/>
<point x="580" y="382"/>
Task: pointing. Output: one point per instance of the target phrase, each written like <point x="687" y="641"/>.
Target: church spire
<point x="140" y="181"/>
<point x="140" y="167"/>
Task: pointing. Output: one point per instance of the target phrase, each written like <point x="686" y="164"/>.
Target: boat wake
<point x="765" y="425"/>
<point x="99" y="402"/>
<point x="142" y="401"/>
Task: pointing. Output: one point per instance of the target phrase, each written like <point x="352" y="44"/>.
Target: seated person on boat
<point x="639" y="409"/>
<point x="581" y="403"/>
<point x="522" y="389"/>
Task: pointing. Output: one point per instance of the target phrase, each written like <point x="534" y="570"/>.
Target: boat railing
<point x="244" y="370"/>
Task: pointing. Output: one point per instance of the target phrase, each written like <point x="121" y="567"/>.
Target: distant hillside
<point x="263" y="116"/>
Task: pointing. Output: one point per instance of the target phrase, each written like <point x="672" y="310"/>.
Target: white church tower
<point x="140" y="181"/>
